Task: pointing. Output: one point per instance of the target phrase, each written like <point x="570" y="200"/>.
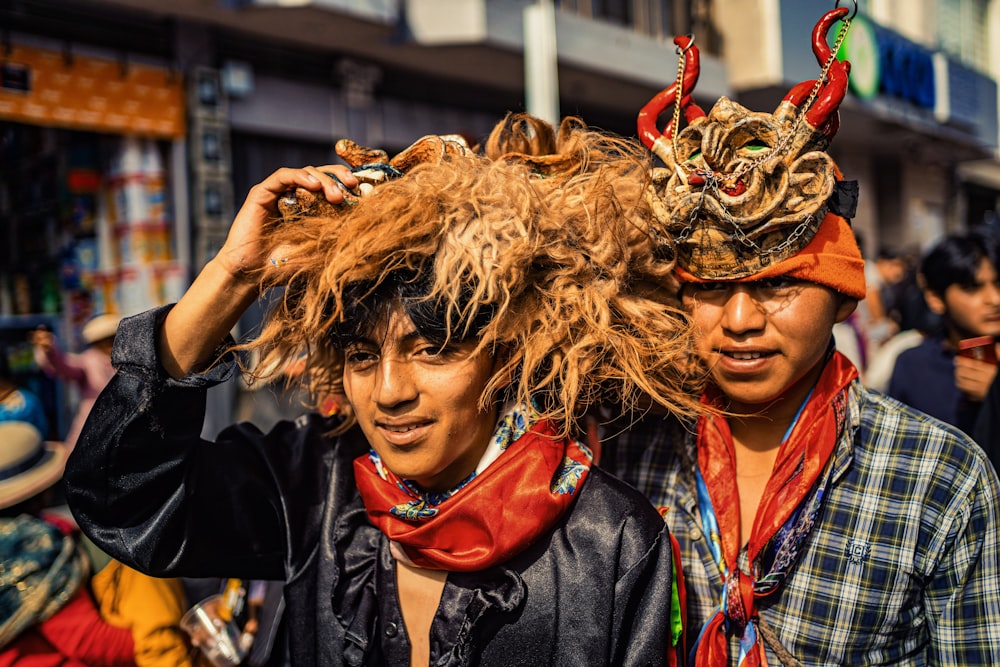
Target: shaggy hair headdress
<point x="540" y="249"/>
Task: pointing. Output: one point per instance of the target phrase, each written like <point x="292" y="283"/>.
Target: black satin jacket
<point x="147" y="489"/>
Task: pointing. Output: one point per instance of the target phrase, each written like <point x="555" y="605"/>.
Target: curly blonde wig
<point x="549" y="258"/>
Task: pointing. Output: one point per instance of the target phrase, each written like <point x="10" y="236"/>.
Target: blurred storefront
<point x="86" y="224"/>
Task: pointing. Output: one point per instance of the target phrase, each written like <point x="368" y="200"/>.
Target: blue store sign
<point x="884" y="62"/>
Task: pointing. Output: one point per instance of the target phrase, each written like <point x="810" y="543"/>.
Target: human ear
<point x="934" y="302"/>
<point x="845" y="308"/>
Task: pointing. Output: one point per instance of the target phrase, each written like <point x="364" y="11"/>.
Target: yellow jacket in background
<point x="151" y="608"/>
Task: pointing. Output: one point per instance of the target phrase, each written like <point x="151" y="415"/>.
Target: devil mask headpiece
<point x="741" y="190"/>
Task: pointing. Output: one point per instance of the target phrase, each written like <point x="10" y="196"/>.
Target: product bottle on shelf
<point x="6" y="298"/>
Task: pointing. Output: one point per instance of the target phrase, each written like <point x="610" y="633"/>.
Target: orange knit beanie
<point x="832" y="258"/>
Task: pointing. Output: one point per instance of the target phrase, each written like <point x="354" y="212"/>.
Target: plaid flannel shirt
<point x="903" y="564"/>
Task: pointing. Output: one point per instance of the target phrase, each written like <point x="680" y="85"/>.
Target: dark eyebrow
<point x="356" y="339"/>
<point x="366" y="339"/>
<point x="411" y="337"/>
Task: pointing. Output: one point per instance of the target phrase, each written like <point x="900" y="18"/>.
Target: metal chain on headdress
<point x="679" y="88"/>
<point x="782" y="145"/>
<point x="712" y="179"/>
<point x="738" y="233"/>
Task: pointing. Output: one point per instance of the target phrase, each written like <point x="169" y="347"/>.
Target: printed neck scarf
<point x="788" y="508"/>
<point x="525" y="482"/>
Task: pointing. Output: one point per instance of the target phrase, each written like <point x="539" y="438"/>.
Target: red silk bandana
<point x="802" y="459"/>
<point x="498" y="514"/>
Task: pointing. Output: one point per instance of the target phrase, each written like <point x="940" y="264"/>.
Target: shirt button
<point x="391" y="630"/>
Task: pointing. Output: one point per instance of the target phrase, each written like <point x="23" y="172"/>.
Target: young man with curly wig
<point x="469" y="309"/>
<point x="819" y="522"/>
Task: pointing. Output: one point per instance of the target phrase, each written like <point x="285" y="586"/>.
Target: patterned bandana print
<point x="786" y="515"/>
<point x="525" y="482"/>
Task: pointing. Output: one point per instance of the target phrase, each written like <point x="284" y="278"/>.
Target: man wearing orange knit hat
<point x="819" y="522"/>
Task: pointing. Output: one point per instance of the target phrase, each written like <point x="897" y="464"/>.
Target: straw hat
<point x="99" y="328"/>
<point x="28" y="465"/>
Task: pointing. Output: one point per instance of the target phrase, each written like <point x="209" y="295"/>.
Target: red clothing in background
<point x="74" y="637"/>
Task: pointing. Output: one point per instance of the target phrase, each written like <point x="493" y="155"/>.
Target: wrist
<point x="235" y="279"/>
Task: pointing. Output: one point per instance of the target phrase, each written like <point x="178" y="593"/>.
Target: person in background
<point x="819" y="522"/>
<point x="911" y="306"/>
<point x="962" y="286"/>
<point x="889" y="270"/>
<point x="65" y="602"/>
<point x="47" y="615"/>
<point x="89" y="370"/>
<point x="149" y="607"/>
<point x="916" y="321"/>
<point x="18" y="403"/>
<point x="851" y="341"/>
<point x="987" y="429"/>
<point x="865" y="331"/>
<point x="470" y="309"/>
<point x="879" y="371"/>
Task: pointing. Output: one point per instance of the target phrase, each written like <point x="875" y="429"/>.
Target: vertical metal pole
<point x="541" y="69"/>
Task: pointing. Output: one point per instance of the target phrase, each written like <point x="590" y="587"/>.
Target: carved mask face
<point x="741" y="193"/>
<point x="743" y="190"/>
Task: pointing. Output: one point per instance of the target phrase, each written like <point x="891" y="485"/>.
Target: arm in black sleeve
<point x="151" y="492"/>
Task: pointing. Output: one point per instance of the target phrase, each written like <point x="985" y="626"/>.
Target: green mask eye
<point x="694" y="156"/>
<point x="755" y="146"/>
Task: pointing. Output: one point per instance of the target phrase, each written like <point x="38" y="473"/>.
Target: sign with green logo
<point x="861" y="48"/>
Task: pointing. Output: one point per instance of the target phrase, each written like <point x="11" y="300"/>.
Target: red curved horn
<point x="830" y="96"/>
<point x="821" y="47"/>
<point x="691" y="110"/>
<point x="648" y="115"/>
<point x="832" y="93"/>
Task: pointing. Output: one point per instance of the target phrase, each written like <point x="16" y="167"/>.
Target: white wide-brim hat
<point x="99" y="328"/>
<point x="28" y="464"/>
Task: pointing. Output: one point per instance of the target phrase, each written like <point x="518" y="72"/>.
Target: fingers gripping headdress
<point x="548" y="232"/>
<point x="371" y="166"/>
<point x="741" y="190"/>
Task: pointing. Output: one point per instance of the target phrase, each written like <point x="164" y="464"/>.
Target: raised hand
<point x="230" y="282"/>
<point x="243" y="252"/>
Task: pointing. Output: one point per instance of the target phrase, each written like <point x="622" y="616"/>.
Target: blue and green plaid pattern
<point x="903" y="564"/>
